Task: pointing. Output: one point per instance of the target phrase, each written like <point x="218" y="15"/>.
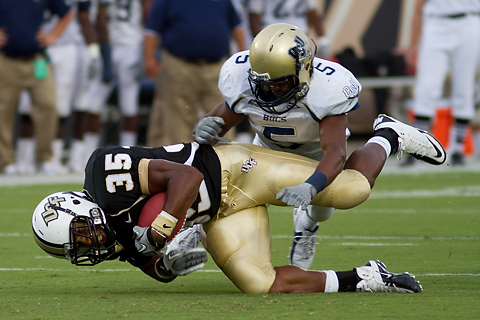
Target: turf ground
<point x="424" y="223"/>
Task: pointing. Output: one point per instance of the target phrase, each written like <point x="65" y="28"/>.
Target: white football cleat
<point x="304" y="242"/>
<point x="47" y="168"/>
<point x="188" y="238"/>
<point x="419" y="143"/>
<point x="10" y="170"/>
<point x="376" y="278"/>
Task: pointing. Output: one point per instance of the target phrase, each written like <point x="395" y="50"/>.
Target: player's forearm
<point x="332" y="164"/>
<point x="150" y="45"/>
<point x="255" y="22"/>
<point x="181" y="182"/>
<point x="101" y="24"/>
<point x="60" y="26"/>
<point x="88" y="31"/>
<point x="239" y="35"/>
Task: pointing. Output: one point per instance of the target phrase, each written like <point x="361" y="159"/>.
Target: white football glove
<point x="298" y="196"/>
<point x="144" y="242"/>
<point x="94" y="63"/>
<point x="180" y="263"/>
<point x="207" y="129"/>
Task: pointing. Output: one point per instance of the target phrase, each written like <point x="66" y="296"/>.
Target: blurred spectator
<point x="121" y="48"/>
<point x="74" y="58"/>
<point x="194" y="38"/>
<point x="446" y="35"/>
<point x="24" y="66"/>
<point x="302" y="14"/>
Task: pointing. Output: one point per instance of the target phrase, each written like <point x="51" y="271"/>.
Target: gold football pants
<point x="239" y="236"/>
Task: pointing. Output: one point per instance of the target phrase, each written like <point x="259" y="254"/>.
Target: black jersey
<point x="112" y="181"/>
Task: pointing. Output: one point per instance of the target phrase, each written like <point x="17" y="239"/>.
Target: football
<point x="152" y="209"/>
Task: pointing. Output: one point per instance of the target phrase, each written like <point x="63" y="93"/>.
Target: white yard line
<point x="217" y="271"/>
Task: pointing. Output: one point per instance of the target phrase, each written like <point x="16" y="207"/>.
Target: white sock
<point x="26" y="152"/>
<point x="91" y="143"/>
<point x="331" y="281"/>
<point x="76" y="158"/>
<point x="476" y="139"/>
<point x="128" y="138"/>
<point x="57" y="149"/>
<point x="384" y="143"/>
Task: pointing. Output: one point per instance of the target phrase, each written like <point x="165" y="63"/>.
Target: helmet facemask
<point x="281" y="67"/>
<point x="270" y="93"/>
<point x="93" y="229"/>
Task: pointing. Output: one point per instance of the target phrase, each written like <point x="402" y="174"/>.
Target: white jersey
<point x="284" y="11"/>
<point x="241" y="6"/>
<point x="125" y="23"/>
<point x="333" y="91"/>
<point x="72" y="33"/>
<point x="450" y="7"/>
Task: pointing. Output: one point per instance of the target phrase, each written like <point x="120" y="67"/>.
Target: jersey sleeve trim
<point x="232" y="107"/>
<point x="143" y="175"/>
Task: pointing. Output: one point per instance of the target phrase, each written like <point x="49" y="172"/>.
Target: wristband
<point x="318" y="180"/>
<point x="164" y="223"/>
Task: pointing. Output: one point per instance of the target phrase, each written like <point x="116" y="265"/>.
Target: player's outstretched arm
<point x="165" y="268"/>
<point x="216" y="124"/>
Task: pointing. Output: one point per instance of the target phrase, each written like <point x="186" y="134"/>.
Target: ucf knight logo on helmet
<point x="51" y="207"/>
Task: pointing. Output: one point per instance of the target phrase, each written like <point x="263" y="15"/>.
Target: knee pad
<point x="349" y="189"/>
<point x="240" y="246"/>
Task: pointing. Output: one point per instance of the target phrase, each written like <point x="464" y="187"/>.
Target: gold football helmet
<point x="281" y="66"/>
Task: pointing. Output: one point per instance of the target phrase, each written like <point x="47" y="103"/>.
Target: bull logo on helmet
<point x="299" y="53"/>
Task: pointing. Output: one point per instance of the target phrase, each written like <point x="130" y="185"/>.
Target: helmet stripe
<point x="50" y="248"/>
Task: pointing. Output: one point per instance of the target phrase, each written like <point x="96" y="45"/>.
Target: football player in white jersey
<point x="299" y="104"/>
<point x="446" y="36"/>
<point x="125" y="34"/>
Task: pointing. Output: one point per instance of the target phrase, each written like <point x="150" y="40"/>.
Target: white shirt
<point x="72" y="33"/>
<point x="449" y="7"/>
<point x="333" y="91"/>
<point x="125" y="23"/>
<point x="283" y="11"/>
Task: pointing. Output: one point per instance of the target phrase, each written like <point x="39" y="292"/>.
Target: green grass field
<point x="427" y="224"/>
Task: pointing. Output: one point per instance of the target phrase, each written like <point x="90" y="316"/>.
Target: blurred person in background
<point x="302" y="14"/>
<point x="446" y="38"/>
<point x="74" y="57"/>
<point x="121" y="44"/>
<point x="194" y="37"/>
<point x="24" y="66"/>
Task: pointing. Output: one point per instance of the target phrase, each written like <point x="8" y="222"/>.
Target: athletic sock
<point x="128" y="138"/>
<point x="384" y="143"/>
<point x="460" y="131"/>
<point x="347" y="280"/>
<point x="392" y="138"/>
<point x="331" y="281"/>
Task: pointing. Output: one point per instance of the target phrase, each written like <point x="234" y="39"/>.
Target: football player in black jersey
<point x="225" y="188"/>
